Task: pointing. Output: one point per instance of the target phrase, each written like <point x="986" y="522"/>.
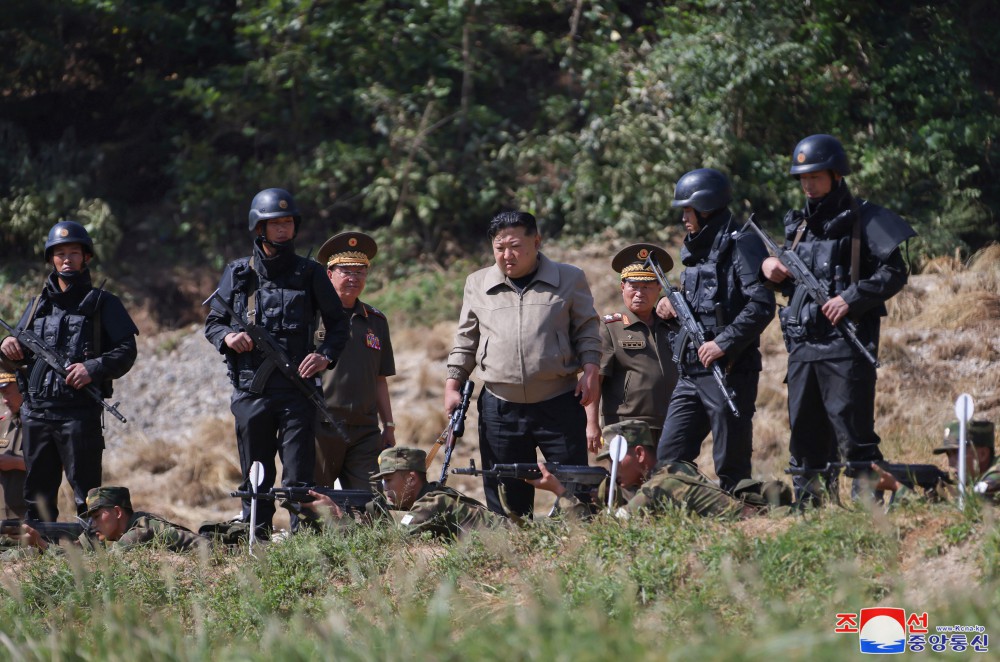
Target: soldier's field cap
<point x="630" y="262"/>
<point x="636" y="433"/>
<point x="978" y="433"/>
<point x="107" y="496"/>
<point x="347" y="249"/>
<point x="401" y="458"/>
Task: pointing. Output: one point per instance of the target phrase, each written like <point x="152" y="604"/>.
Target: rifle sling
<point x="855" y="242"/>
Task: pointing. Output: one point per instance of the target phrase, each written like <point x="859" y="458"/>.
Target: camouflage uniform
<point x="676" y="485"/>
<point x="979" y="434"/>
<point x="141" y="529"/>
<point x="988" y="485"/>
<point x="446" y="512"/>
<point x="437" y="509"/>
<point x="145" y="528"/>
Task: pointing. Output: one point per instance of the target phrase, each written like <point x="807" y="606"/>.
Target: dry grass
<point x="939" y="340"/>
<point x="986" y="259"/>
<point x="963" y="309"/>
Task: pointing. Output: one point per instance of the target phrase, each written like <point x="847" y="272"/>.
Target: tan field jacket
<point x="530" y="345"/>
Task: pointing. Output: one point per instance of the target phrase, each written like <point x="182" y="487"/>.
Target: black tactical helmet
<point x="819" y="152"/>
<point x="68" y="232"/>
<point x="273" y="203"/>
<point x="704" y="189"/>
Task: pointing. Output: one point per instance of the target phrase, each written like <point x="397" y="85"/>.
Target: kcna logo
<point x="888" y="630"/>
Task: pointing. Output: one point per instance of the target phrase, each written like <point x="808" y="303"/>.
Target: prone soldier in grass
<point x="675" y="485"/>
<point x="981" y="469"/>
<point x="416" y="504"/>
<point x="114" y="523"/>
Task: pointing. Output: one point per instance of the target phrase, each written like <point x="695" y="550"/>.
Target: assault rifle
<point x="454" y="430"/>
<point x="925" y="476"/>
<point x="348" y="500"/>
<point x="53" y="532"/>
<point x="578" y="479"/>
<point x="275" y="358"/>
<point x="692" y="330"/>
<point x="59" y="364"/>
<point x="805" y="279"/>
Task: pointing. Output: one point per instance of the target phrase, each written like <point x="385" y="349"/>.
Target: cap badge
<point x="63" y="232"/>
<point x="643" y="254"/>
<point x="801" y="158"/>
<point x="283" y="204"/>
<point x="352" y="242"/>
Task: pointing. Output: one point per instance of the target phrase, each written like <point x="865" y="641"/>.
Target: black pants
<point x="510" y="432"/>
<point x="698" y="407"/>
<point x="76" y="446"/>
<point x="831" y="412"/>
<point x="275" y="422"/>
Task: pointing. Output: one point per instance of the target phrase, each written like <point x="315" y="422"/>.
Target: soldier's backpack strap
<point x="33" y="310"/>
<point x="855" y="242"/>
<point x="252" y="294"/>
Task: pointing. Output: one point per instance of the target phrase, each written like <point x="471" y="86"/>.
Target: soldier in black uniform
<point x="281" y="292"/>
<point x="851" y="246"/>
<point x="638" y="373"/>
<point x="61" y="425"/>
<point x="720" y="283"/>
<point x="356" y="391"/>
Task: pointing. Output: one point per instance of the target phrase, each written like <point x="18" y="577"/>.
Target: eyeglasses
<point x="642" y="284"/>
<point x="352" y="273"/>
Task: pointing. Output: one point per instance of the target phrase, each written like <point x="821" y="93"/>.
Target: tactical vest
<point x="830" y="259"/>
<point x="285" y="311"/>
<point x="76" y="335"/>
<point x="712" y="290"/>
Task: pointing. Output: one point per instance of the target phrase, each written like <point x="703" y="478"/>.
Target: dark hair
<point x="513" y="219"/>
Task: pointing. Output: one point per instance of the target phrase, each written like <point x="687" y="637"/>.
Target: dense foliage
<point x="157" y="121"/>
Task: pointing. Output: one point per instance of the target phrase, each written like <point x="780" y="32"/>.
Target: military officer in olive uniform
<point x="356" y="390"/>
<point x="418" y="506"/>
<point x="283" y="293"/>
<point x="638" y="373"/>
<point x="11" y="458"/>
<point x="61" y="424"/>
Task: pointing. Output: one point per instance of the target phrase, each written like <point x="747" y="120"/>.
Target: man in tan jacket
<point x="529" y="325"/>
